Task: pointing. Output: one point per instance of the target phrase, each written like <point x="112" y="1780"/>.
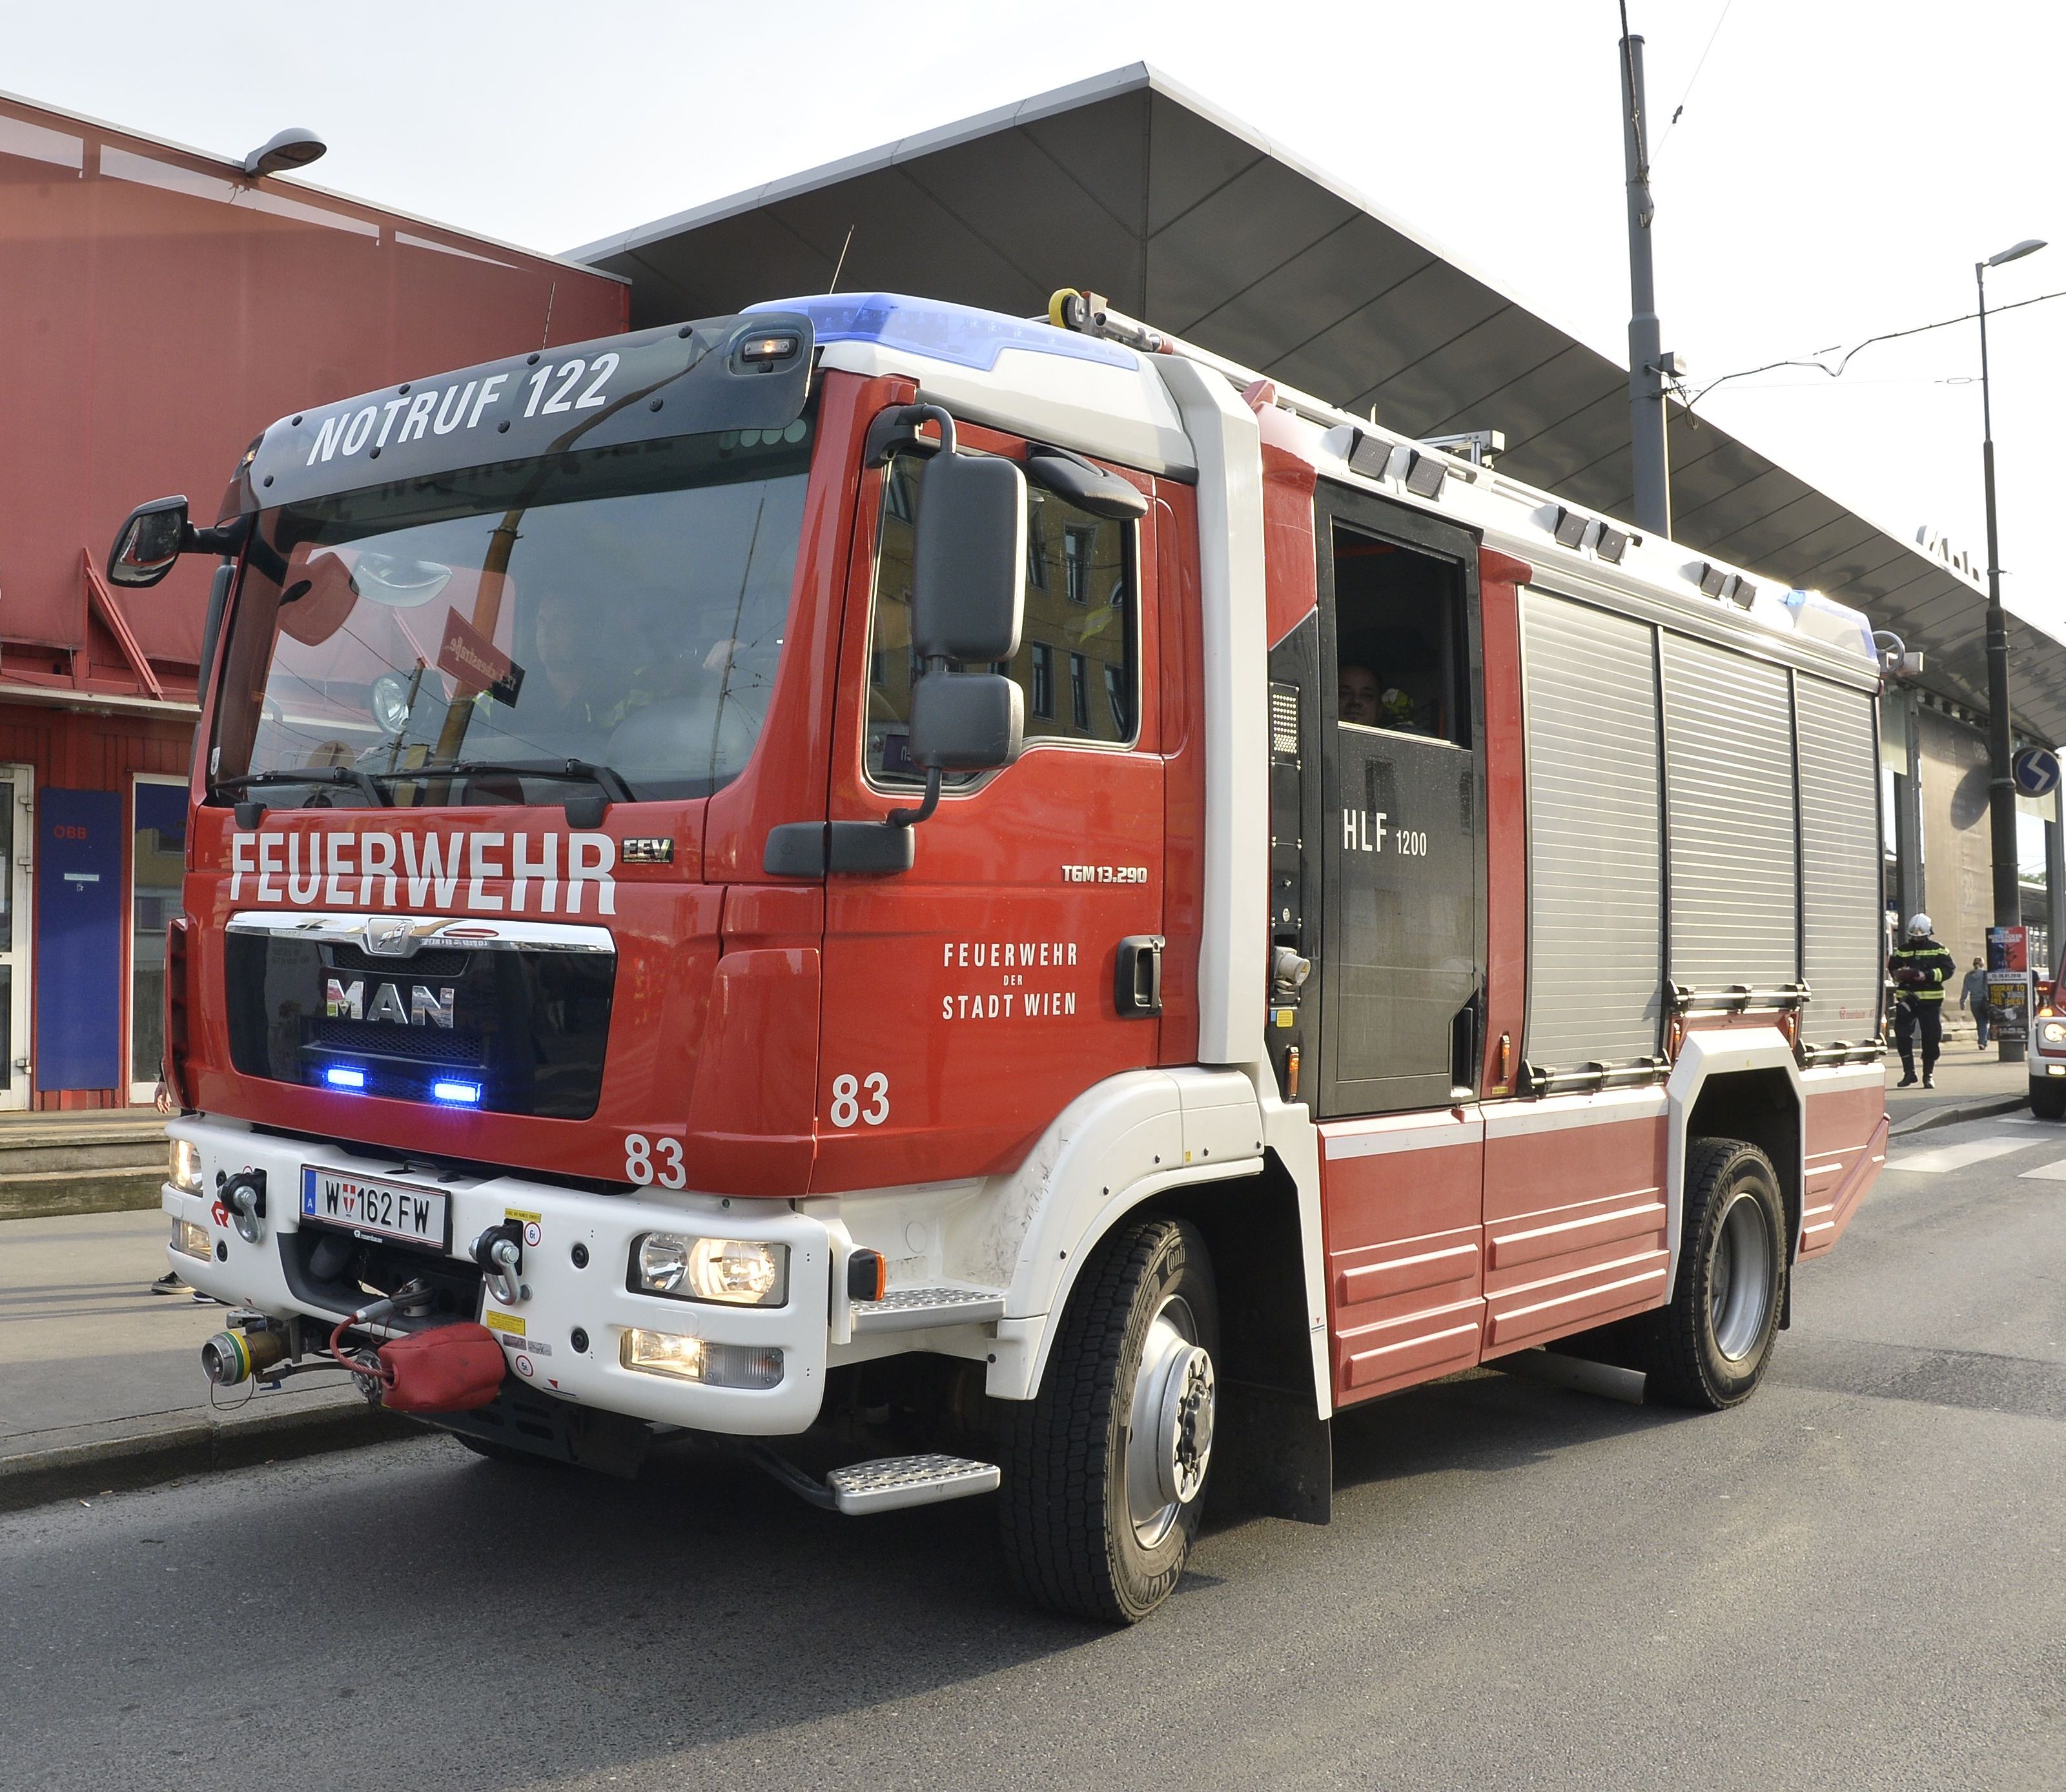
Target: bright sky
<point x="1840" y="166"/>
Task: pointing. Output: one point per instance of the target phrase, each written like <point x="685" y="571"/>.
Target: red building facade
<point x="158" y="309"/>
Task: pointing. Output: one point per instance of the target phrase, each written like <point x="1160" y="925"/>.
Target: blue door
<point x="78" y="940"/>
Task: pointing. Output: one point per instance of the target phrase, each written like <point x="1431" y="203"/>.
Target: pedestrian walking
<point x="1973" y="997"/>
<point x="1920" y="968"/>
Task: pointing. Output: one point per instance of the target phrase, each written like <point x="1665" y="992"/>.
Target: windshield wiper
<point x="310" y="774"/>
<point x="605" y="778"/>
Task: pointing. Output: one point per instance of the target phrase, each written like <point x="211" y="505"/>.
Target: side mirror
<point x="149" y="542"/>
<point x="965" y="722"/>
<point x="968" y="560"/>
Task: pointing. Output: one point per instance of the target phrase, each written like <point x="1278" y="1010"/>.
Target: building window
<point x="1080" y="602"/>
<point x="1077" y="547"/>
<point x="1115" y="700"/>
<point x="157" y="863"/>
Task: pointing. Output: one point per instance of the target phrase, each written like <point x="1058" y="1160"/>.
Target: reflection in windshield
<point x="622" y="607"/>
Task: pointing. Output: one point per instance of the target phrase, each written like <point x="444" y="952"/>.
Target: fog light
<point x="190" y="1239"/>
<point x="739" y="1272"/>
<point x="694" y="1359"/>
<point x="186" y="1171"/>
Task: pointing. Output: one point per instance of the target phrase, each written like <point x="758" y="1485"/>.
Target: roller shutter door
<point x="1729" y="738"/>
<point x="1840" y="861"/>
<point x="1594" y="942"/>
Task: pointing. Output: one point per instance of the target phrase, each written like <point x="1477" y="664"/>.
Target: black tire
<point x="1710" y="1347"/>
<point x="1072" y="1474"/>
<point x="2048" y="1100"/>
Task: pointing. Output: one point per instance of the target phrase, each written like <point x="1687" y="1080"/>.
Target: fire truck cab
<point x="953" y="903"/>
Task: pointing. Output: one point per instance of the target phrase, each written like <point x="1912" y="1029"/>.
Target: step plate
<point x="897" y="1481"/>
<point x="910" y="1310"/>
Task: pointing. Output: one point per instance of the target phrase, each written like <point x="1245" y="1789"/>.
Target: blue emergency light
<point x="344" y="1076"/>
<point x="456" y="1093"/>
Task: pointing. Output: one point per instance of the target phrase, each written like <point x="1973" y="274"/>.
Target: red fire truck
<point x="950" y="903"/>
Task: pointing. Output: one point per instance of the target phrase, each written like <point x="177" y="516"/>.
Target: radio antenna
<point x="841" y="261"/>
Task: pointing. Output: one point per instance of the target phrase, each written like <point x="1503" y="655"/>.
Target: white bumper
<point x="563" y="1298"/>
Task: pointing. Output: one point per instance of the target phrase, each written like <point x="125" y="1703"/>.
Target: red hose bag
<point x="449" y="1368"/>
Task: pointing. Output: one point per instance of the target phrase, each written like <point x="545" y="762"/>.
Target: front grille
<point x="446" y="966"/>
<point x="424" y="1045"/>
<point x="531" y="1025"/>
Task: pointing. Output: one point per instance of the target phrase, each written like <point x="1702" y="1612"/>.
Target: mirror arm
<point x="226" y="539"/>
<point x="910" y="818"/>
<point x="888" y="433"/>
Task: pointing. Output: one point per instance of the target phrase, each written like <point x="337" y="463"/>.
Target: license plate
<point x="380" y="1209"/>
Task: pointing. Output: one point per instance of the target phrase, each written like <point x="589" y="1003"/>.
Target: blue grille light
<point x="344" y="1076"/>
<point x="456" y="1093"/>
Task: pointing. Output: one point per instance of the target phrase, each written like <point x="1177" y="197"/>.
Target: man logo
<point x="428" y="1007"/>
<point x="389" y="936"/>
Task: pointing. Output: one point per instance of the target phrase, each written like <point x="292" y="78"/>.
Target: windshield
<point x="461" y="639"/>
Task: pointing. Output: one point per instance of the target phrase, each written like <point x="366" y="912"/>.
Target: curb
<point x="198" y="1445"/>
<point x="1952" y="1113"/>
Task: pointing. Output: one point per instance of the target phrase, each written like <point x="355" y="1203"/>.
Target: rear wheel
<point x="1709" y="1348"/>
<point x="1104" y="1471"/>
<point x="2048" y="1100"/>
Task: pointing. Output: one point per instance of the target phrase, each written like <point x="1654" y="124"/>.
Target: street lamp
<point x="2001" y="778"/>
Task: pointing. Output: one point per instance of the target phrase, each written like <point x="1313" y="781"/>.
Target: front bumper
<point x="563" y="1298"/>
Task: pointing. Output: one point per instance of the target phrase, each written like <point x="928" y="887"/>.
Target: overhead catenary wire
<point x="1821" y="366"/>
<point x="1678" y="111"/>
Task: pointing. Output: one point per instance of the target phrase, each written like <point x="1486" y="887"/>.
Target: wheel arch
<point x="1742" y="1083"/>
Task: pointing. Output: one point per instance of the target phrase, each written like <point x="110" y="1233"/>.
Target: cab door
<point x="969" y="999"/>
<point x="1399" y="736"/>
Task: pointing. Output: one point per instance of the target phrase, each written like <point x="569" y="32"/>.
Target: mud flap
<point x="1273" y="1457"/>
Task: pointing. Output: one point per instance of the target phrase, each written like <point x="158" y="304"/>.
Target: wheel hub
<point x="1739" y="1277"/>
<point x="1175" y="1403"/>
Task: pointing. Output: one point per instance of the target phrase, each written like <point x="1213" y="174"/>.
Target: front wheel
<point x="1709" y="1348"/>
<point x="1104" y="1471"/>
<point x="2048" y="1099"/>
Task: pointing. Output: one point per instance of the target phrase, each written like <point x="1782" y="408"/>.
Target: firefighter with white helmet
<point x="1920" y="967"/>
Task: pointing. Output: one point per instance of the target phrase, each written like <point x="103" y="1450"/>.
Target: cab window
<point x="1077" y="653"/>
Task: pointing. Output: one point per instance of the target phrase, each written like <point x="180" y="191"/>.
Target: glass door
<point x="17" y="868"/>
<point x="157" y="862"/>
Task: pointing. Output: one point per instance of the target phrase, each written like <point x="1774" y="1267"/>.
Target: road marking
<point x="1958" y="1157"/>
<point x="2047" y="1172"/>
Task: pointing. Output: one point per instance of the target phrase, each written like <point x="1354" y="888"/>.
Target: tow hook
<point x="244" y="1195"/>
<point x="500" y="1252"/>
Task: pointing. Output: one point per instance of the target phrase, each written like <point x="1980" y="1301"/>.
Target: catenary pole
<point x="1645" y="376"/>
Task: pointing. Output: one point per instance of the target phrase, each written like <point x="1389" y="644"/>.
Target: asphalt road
<point x="1855" y="1580"/>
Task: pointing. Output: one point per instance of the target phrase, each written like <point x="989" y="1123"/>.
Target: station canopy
<point x="1128" y="185"/>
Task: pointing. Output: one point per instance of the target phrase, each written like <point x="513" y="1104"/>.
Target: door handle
<point x="1138" y="977"/>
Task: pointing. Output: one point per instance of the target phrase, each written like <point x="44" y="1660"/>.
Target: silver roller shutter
<point x="1840" y="857"/>
<point x="1728" y="768"/>
<point x="1594" y="941"/>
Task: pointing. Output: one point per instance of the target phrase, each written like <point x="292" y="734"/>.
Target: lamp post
<point x="2001" y="778"/>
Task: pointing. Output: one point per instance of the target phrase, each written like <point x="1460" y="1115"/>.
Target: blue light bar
<point x="344" y="1076"/>
<point x="959" y="333"/>
<point x="454" y="1093"/>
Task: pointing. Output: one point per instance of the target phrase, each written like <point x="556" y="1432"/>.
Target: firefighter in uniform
<point x="1920" y="968"/>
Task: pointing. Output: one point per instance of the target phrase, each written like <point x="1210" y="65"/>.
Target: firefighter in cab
<point x="1920" y="968"/>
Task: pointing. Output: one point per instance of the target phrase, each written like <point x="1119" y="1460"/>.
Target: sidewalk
<point x="1970" y="1083"/>
<point x="100" y="1380"/>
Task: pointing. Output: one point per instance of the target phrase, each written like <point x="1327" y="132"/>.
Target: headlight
<point x="739" y="1272"/>
<point x="185" y="1174"/>
<point x="2053" y="1033"/>
<point x="190" y="1239"/>
<point x="694" y="1359"/>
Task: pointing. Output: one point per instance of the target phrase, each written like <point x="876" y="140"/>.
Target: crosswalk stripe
<point x="1958" y="1157"/>
<point x="2047" y="1172"/>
